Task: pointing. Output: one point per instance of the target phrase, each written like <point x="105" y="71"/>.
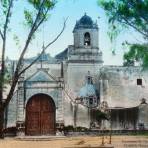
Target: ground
<point x="117" y="141"/>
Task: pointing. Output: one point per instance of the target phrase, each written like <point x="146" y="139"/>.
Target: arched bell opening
<point x="87" y="39"/>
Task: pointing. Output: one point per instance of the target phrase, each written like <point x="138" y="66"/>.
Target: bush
<point x="81" y="129"/>
<point x="68" y="128"/>
<point x="10" y="131"/>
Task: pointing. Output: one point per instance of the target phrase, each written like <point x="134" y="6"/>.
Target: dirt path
<point x="118" y="142"/>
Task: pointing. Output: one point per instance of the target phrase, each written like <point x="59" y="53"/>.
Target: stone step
<point x="90" y="146"/>
<point x="39" y="138"/>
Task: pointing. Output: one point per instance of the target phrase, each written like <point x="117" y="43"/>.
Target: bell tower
<point x="83" y="56"/>
<point x="86" y="47"/>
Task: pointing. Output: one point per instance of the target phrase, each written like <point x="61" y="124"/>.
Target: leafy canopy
<point x="129" y="13"/>
<point x="41" y="6"/>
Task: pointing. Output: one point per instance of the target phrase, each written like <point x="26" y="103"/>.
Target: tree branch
<point x="121" y="18"/>
<point x="18" y="67"/>
<point x="140" y="12"/>
<point x="58" y="35"/>
<point x="16" y="75"/>
<point x="1" y="35"/>
<point x="32" y="30"/>
<point x="56" y="38"/>
<point x="7" y="17"/>
<point x="133" y="26"/>
<point x="42" y="20"/>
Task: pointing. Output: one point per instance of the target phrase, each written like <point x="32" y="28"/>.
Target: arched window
<point x="87" y="39"/>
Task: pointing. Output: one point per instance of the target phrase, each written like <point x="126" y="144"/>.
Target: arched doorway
<point x="40" y="115"/>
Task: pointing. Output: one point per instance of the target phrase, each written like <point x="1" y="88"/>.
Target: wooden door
<point x="40" y="115"/>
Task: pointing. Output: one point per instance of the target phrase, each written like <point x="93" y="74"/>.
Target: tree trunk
<point x="1" y="123"/>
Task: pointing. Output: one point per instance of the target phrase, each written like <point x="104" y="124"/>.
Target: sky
<point x="74" y="10"/>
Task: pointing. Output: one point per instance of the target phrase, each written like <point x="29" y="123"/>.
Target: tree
<point x="34" y="19"/>
<point x="129" y="13"/>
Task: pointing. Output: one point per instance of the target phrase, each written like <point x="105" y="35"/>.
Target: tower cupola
<point x="86" y="33"/>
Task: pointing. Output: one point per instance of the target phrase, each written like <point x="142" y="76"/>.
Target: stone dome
<point x="87" y="91"/>
<point x="86" y="22"/>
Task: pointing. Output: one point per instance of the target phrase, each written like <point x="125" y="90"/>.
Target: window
<point x="87" y="39"/>
<point x="90" y="101"/>
<point x="89" y="80"/>
<point x="139" y="81"/>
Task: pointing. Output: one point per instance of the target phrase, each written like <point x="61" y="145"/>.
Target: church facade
<point x="69" y="88"/>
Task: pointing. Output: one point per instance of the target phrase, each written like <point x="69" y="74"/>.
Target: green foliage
<point x="6" y="79"/>
<point x="137" y="53"/>
<point x="16" y="39"/>
<point x="68" y="128"/>
<point x="128" y="13"/>
<point x="48" y="4"/>
<point x="35" y="15"/>
<point x="28" y="17"/>
<point x="7" y="76"/>
<point x="4" y="4"/>
<point x="101" y="115"/>
<point x="41" y="9"/>
<point x="81" y="129"/>
<point x="4" y="7"/>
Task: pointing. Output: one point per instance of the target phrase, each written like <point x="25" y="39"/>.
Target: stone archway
<point x="40" y="115"/>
